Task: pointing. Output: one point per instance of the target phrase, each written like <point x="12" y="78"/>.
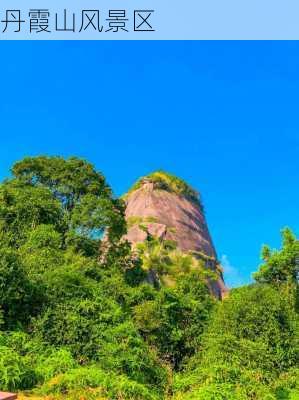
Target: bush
<point x="15" y="371"/>
<point x="53" y="363"/>
<point x="113" y="386"/>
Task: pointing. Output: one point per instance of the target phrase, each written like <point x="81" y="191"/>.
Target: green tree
<point x="23" y="208"/>
<point x="42" y="251"/>
<point x="90" y="209"/>
<point x="251" y="341"/>
<point x="175" y="319"/>
<point x="68" y="180"/>
<point x="19" y="297"/>
<point x="280" y="266"/>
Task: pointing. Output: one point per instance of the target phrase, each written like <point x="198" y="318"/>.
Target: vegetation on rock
<point x="164" y="181"/>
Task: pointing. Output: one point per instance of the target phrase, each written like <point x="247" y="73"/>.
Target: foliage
<point x="23" y="208"/>
<point x="86" y="202"/>
<point x="251" y="341"/>
<point x="174" y="321"/>
<point x="84" y="317"/>
<point x="137" y="220"/>
<point x="280" y="266"/>
<point x="16" y="371"/>
<point x="68" y="180"/>
<point x="110" y="385"/>
<point x="19" y="298"/>
<point x="166" y="263"/>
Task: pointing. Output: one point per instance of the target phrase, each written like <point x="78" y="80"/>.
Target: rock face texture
<point x="172" y="216"/>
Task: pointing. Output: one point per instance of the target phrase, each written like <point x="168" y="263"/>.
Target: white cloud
<point x="232" y="275"/>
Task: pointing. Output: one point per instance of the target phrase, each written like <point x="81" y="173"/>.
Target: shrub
<point x="15" y="370"/>
<point x="53" y="363"/>
<point x="110" y="385"/>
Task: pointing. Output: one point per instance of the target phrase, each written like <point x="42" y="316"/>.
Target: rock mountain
<point x="164" y="206"/>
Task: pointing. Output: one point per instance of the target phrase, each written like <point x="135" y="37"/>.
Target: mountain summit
<point x="166" y="207"/>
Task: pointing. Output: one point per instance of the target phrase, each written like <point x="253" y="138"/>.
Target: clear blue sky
<point x="222" y="115"/>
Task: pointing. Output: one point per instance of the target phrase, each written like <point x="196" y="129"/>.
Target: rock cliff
<point x="166" y="207"/>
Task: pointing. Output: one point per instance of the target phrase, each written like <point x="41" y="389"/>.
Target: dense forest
<point x="79" y="320"/>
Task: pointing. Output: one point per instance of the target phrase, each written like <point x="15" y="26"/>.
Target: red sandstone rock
<point x="7" y="396"/>
<point x="175" y="218"/>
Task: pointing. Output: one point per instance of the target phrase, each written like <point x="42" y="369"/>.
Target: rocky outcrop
<point x="171" y="214"/>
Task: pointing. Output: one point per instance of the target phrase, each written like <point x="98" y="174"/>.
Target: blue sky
<point x="222" y="115"/>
